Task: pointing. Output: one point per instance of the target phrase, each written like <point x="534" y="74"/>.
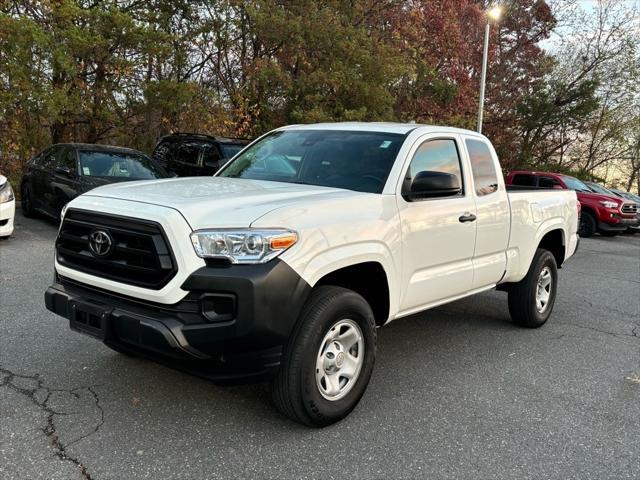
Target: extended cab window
<point x="548" y="182"/>
<point x="482" y="166"/>
<point x="437" y="156"/>
<point x="524" y="179"/>
<point x="351" y="160"/>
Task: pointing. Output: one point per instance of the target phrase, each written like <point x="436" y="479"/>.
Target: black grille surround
<point x="629" y="208"/>
<point x="140" y="254"/>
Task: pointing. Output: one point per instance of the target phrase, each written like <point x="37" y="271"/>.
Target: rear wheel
<point x="27" y="201"/>
<point x="329" y="359"/>
<point x="588" y="225"/>
<point x="531" y="300"/>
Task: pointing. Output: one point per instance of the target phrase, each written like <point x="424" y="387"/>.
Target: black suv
<point x="61" y="172"/>
<point x="191" y="154"/>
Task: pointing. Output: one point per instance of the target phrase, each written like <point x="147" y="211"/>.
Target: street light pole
<point x="483" y="78"/>
<point x="492" y="14"/>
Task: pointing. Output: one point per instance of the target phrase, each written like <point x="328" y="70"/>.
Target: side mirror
<point x="429" y="184"/>
<point x="64" y="170"/>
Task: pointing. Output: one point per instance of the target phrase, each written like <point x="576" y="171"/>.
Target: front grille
<point x="140" y="254"/>
<point x="629" y="208"/>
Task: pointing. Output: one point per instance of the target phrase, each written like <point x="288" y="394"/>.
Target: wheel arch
<point x="555" y="242"/>
<point x="374" y="289"/>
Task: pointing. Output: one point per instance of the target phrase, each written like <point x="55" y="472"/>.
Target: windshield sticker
<point x="385" y="144"/>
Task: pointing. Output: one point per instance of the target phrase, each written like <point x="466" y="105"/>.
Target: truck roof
<point x="387" y="127"/>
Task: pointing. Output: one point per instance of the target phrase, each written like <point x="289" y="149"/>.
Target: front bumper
<point x="620" y="226"/>
<point x="7" y="214"/>
<point x="233" y="323"/>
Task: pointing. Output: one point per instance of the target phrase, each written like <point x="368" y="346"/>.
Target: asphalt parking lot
<point x="458" y="392"/>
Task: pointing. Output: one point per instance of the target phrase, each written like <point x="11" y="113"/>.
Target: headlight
<point x="242" y="245"/>
<point x="609" y="204"/>
<point x="6" y="193"/>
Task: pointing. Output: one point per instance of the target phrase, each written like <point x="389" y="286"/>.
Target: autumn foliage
<point x="128" y="72"/>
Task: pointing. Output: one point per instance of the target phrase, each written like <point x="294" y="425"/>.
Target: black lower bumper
<point x="233" y="323"/>
<point x="618" y="227"/>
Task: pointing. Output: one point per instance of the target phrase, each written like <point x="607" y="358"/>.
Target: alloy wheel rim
<point x="340" y="359"/>
<point x="543" y="289"/>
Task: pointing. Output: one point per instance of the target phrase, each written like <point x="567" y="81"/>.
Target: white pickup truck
<point x="285" y="262"/>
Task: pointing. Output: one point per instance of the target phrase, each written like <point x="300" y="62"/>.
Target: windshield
<point x="599" y="189"/>
<point x="352" y="160"/>
<point x="230" y="149"/>
<point x="575" y="184"/>
<point x="118" y="165"/>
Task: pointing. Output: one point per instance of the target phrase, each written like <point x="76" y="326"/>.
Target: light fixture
<point x="494" y="13"/>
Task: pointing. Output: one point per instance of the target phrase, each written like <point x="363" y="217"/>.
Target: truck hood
<point x="215" y="202"/>
<point x="596" y="197"/>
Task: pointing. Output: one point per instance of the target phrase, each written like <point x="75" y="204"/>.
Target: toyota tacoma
<point x="284" y="263"/>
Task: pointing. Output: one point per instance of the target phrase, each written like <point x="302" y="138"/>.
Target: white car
<point x="7" y="207"/>
<point x="285" y="262"/>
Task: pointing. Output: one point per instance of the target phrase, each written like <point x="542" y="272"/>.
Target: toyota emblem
<point x="100" y="243"/>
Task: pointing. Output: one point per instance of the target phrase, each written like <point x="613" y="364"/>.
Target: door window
<point x="188" y="153"/>
<point x="482" y="167"/>
<point x="68" y="159"/>
<point x="439" y="155"/>
<point x="49" y="158"/>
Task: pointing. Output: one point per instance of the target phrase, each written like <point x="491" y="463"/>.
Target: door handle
<point x="467" y="217"/>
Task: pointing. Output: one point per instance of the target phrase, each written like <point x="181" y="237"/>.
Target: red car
<point x="605" y="214"/>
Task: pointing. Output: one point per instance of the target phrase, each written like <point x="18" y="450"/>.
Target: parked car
<point x="62" y="172"/>
<point x="620" y="194"/>
<point x="603" y="213"/>
<point x="190" y="154"/>
<point x="286" y="261"/>
<point x="7" y="207"/>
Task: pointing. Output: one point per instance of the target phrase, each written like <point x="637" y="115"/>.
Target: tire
<point x="609" y="234"/>
<point x="300" y="390"/>
<point x="27" y="201"/>
<point x="523" y="296"/>
<point x="588" y="225"/>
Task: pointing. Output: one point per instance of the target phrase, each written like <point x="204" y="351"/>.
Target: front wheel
<point x="588" y="225"/>
<point x="328" y="360"/>
<point x="531" y="300"/>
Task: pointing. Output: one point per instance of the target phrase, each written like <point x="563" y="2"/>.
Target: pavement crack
<point x="606" y="332"/>
<point x="9" y="379"/>
<point x="98" y="425"/>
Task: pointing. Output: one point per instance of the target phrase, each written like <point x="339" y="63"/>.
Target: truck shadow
<point x="445" y="341"/>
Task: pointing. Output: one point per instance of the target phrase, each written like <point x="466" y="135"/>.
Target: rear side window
<point x="437" y="156"/>
<point x="161" y="151"/>
<point x="482" y="167"/>
<point x="548" y="182"/>
<point x="188" y="153"/>
<point x="210" y="155"/>
<point x="524" y="179"/>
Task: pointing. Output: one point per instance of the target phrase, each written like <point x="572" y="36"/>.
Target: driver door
<point x="438" y="235"/>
